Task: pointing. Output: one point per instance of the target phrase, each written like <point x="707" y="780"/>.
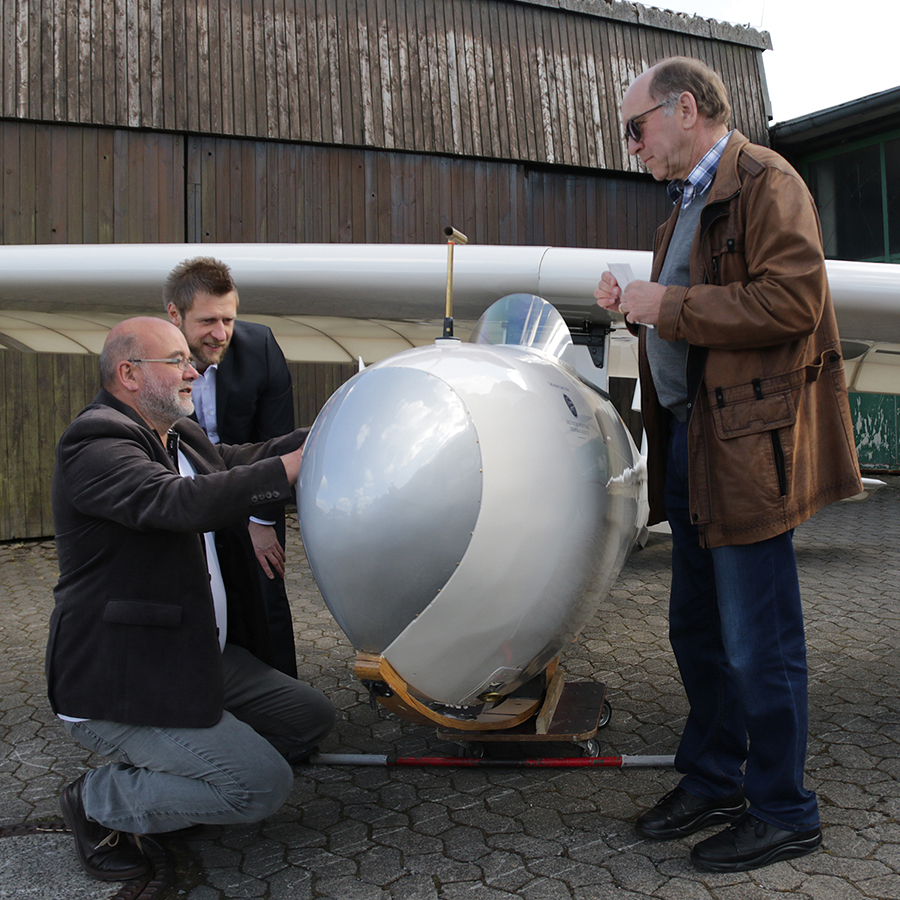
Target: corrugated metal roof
<point x="658" y="17"/>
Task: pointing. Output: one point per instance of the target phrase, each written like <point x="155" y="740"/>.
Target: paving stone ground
<point x="373" y="833"/>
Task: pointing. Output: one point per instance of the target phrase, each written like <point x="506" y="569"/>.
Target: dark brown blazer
<point x="133" y="633"/>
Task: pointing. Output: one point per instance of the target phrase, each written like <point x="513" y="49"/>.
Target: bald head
<point x="139" y="366"/>
<point x="124" y="341"/>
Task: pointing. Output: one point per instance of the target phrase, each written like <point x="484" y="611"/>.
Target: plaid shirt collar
<point x="701" y="176"/>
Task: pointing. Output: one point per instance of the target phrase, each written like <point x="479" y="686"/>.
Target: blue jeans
<point x="236" y="771"/>
<point x="736" y="627"/>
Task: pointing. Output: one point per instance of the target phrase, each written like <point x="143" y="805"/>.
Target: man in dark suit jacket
<point x="243" y="396"/>
<point x="158" y="643"/>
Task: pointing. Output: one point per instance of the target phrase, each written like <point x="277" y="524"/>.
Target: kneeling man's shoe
<point x="680" y="813"/>
<point x="104" y="854"/>
<point x="750" y="843"/>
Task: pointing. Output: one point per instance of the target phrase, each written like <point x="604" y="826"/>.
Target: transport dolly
<point x="546" y="710"/>
<point x="572" y="712"/>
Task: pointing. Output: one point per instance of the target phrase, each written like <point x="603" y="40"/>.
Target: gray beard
<point x="163" y="409"/>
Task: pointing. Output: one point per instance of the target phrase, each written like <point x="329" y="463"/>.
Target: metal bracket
<point x="586" y="333"/>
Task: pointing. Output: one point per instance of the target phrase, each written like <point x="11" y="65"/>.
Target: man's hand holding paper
<point x="638" y="301"/>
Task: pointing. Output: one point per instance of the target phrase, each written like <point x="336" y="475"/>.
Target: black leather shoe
<point x="680" y="813"/>
<point x="750" y="843"/>
<point x="104" y="854"/>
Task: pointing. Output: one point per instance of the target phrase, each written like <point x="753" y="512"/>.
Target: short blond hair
<point x="188" y="278"/>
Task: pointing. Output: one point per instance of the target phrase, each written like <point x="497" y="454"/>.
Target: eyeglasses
<point x="180" y="361"/>
<point x="633" y="130"/>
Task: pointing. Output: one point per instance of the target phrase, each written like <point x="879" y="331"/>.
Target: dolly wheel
<point x="605" y="715"/>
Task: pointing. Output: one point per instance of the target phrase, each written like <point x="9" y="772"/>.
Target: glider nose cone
<point x="389" y="493"/>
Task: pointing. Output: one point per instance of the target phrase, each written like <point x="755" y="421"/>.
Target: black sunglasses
<point x="632" y="129"/>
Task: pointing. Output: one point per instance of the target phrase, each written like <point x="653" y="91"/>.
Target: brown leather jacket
<point x="770" y="434"/>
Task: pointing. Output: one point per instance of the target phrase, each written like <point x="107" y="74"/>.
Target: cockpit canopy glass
<point x="526" y="321"/>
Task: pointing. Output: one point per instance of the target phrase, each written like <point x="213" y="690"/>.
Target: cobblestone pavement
<point x="372" y="833"/>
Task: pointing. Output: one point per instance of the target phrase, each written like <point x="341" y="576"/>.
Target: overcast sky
<point x="825" y="53"/>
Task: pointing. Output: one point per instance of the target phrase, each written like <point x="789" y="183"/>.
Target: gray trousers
<point x="237" y="771"/>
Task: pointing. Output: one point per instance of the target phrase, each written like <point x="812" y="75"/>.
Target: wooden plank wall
<point x="77" y="184"/>
<point x="65" y="384"/>
<point x="314" y="383"/>
<point x="86" y="185"/>
<point x="242" y="190"/>
<point x="530" y="81"/>
<point x="29" y="431"/>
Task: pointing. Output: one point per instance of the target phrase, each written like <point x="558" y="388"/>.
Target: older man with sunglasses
<point x="749" y="433"/>
<point x="159" y="648"/>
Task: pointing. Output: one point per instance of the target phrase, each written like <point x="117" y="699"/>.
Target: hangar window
<point x="857" y="190"/>
<point x="892" y="185"/>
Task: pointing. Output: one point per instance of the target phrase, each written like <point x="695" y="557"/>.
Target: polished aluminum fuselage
<point x="464" y="508"/>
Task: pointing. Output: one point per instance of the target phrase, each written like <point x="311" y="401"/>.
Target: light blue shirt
<point x="203" y="393"/>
